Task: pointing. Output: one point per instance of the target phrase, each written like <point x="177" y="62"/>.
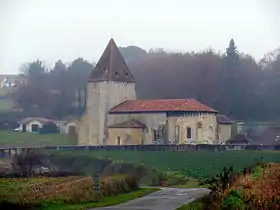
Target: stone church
<point x="114" y="116"/>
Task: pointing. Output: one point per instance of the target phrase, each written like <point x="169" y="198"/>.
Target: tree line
<point x="56" y="92"/>
<point x="234" y="83"/>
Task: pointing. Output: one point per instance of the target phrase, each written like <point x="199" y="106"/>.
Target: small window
<point x="118" y="140"/>
<point x="177" y="134"/>
<point x="126" y="74"/>
<point x="199" y="125"/>
<point x="116" y="73"/>
<point x="189" y="133"/>
<point x="155" y="135"/>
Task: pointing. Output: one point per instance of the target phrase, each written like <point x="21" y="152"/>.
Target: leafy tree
<point x="132" y="53"/>
<point x="78" y="73"/>
<point x="57" y="76"/>
<point x="36" y="73"/>
<point x="233" y="83"/>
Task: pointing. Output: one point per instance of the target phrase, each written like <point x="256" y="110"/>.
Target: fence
<point x="161" y="148"/>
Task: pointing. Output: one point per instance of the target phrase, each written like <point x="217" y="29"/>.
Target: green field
<point x="4" y="91"/>
<point x="6" y="105"/>
<point x="194" y="205"/>
<point x="199" y="165"/>
<point x="9" y="139"/>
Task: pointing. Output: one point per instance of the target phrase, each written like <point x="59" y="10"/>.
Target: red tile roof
<point x="162" y="105"/>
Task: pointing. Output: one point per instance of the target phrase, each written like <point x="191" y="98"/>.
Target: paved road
<point x="166" y="199"/>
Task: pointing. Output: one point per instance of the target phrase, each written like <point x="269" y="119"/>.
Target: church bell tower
<point x="110" y="83"/>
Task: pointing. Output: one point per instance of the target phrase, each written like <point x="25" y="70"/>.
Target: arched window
<point x="177" y="134"/>
<point x="155" y="135"/>
<point x="189" y="132"/>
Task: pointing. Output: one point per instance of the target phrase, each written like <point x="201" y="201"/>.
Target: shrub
<point x="117" y="184"/>
<point x="233" y="200"/>
<point x="72" y="189"/>
<point x="26" y="161"/>
<point x="174" y="178"/>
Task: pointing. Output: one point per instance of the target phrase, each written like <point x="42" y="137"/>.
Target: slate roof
<point x="111" y="66"/>
<point x="40" y="119"/>
<point x="222" y="119"/>
<point x="128" y="124"/>
<point x="271" y="136"/>
<point x="239" y="138"/>
<point x="162" y="105"/>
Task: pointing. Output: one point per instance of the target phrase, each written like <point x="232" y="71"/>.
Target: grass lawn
<point x="194" y="205"/>
<point x="9" y="138"/>
<point x="192" y="183"/>
<point x="197" y="165"/>
<point x="4" y="91"/>
<point x="6" y="105"/>
<point x="105" y="201"/>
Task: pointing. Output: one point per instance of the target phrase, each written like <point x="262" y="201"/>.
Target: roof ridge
<point x="111" y="66"/>
<point x="162" y="105"/>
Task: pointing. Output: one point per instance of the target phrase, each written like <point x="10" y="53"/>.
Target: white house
<point x="32" y="125"/>
<point x="66" y="126"/>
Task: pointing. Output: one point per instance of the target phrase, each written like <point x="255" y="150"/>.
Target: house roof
<point x="128" y="124"/>
<point x="239" y="138"/>
<point x="162" y="105"/>
<point x="111" y="66"/>
<point x="60" y="122"/>
<point x="270" y="136"/>
<point x="222" y="119"/>
<point x="40" y="119"/>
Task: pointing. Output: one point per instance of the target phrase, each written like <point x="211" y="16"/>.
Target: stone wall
<point x="203" y="128"/>
<point x="125" y="136"/>
<point x="225" y="131"/>
<point x="152" y="120"/>
<point x="101" y="97"/>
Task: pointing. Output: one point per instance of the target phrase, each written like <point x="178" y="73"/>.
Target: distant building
<point x="32" y="125"/>
<point x="239" y="138"/>
<point x="11" y="81"/>
<point x="270" y="136"/>
<point x="114" y="116"/>
<point x="67" y="126"/>
<point x="225" y="127"/>
<point x="265" y="133"/>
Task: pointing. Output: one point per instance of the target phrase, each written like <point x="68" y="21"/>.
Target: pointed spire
<point x="111" y="66"/>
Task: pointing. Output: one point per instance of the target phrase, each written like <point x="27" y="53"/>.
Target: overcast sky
<point x="66" y="29"/>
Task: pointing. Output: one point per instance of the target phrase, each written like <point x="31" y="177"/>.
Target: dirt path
<point x="166" y="199"/>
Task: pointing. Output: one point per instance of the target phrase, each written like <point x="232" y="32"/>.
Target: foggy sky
<point x="67" y="29"/>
